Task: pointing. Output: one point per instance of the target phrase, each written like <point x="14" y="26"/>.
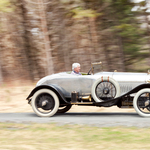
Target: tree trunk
<point x="92" y="37"/>
<point x="46" y="37"/>
<point x="26" y="49"/>
<point x="122" y="59"/>
<point x="148" y="33"/>
<point x="1" y="76"/>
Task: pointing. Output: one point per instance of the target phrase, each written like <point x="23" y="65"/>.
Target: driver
<point x="76" y="69"/>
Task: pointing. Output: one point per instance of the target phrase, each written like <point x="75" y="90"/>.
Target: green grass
<point x="71" y="137"/>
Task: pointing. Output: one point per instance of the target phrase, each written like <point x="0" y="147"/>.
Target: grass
<point x="71" y="137"/>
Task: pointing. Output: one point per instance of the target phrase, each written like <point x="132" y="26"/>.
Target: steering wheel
<point x="89" y="71"/>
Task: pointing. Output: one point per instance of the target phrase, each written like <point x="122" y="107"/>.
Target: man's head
<point x="76" y="67"/>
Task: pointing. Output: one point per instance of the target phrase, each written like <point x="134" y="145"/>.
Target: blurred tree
<point x="42" y="12"/>
<point x="26" y="38"/>
<point x="143" y="10"/>
<point x="4" y="7"/>
<point x="120" y="25"/>
<point x="127" y="29"/>
<point x="46" y="36"/>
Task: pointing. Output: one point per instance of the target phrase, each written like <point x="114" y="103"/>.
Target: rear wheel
<point x="45" y="103"/>
<point x="141" y="102"/>
<point x="64" y="109"/>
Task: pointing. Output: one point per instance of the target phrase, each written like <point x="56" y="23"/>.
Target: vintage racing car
<point x="56" y="93"/>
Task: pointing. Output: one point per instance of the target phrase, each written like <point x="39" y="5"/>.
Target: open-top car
<point x="56" y="93"/>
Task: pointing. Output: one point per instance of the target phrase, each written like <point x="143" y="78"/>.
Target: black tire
<point x="139" y="102"/>
<point x="45" y="103"/>
<point x="105" y="88"/>
<point x="64" y="109"/>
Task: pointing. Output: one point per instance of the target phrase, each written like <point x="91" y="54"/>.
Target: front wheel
<point x="45" y="103"/>
<point x="141" y="102"/>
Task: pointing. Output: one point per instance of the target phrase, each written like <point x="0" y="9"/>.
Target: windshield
<point x="96" y="67"/>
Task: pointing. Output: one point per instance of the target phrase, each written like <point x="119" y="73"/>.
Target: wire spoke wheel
<point x="141" y="102"/>
<point x="105" y="90"/>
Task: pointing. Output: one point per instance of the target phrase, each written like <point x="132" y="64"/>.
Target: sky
<point x="146" y="7"/>
<point x="137" y="1"/>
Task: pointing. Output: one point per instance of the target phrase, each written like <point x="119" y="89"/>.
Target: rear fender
<point x="51" y="87"/>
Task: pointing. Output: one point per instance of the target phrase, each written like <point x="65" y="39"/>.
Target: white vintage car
<point x="56" y="93"/>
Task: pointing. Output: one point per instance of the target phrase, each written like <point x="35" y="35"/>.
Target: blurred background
<point x="41" y="37"/>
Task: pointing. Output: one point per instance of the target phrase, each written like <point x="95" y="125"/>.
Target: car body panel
<point x="82" y="84"/>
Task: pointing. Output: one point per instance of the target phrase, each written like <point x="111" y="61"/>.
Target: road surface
<point x="101" y="119"/>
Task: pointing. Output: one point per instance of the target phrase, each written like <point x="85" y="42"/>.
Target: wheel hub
<point x="106" y="90"/>
<point x="147" y="103"/>
<point x="46" y="104"/>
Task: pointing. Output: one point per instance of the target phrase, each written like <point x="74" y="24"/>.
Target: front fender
<point x="51" y="87"/>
